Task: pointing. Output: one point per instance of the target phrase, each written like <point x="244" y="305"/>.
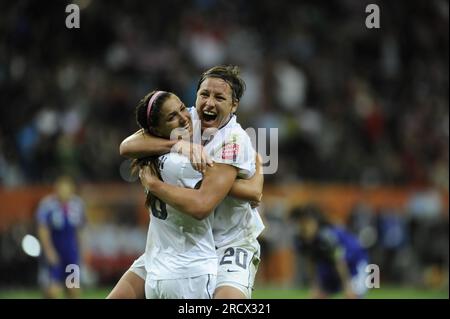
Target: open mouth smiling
<point x="209" y="116"/>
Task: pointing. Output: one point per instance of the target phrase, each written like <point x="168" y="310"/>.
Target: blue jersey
<point x="352" y="250"/>
<point x="334" y="242"/>
<point x="330" y="244"/>
<point x="63" y="220"/>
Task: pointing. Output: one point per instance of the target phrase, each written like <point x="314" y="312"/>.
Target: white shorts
<point x="200" y="287"/>
<point x="238" y="264"/>
<point x="138" y="267"/>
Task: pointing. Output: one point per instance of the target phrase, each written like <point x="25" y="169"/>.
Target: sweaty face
<point x="173" y="115"/>
<point x="214" y="103"/>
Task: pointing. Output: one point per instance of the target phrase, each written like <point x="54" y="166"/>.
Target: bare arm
<point x="250" y="189"/>
<point x="198" y="203"/>
<point x="47" y="246"/>
<point x="141" y="144"/>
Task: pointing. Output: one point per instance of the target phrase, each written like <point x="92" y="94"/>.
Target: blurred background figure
<point x="60" y="217"/>
<point x="277" y="243"/>
<point x="335" y="260"/>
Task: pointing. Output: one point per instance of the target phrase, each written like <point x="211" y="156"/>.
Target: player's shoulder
<point x="46" y="205"/>
<point x="342" y="233"/>
<point x="171" y="160"/>
<point x="77" y="199"/>
<point x="235" y="126"/>
<point x="48" y="200"/>
<point x="176" y="169"/>
<point x="235" y="134"/>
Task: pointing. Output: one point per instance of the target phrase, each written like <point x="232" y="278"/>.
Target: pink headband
<point x="150" y="104"/>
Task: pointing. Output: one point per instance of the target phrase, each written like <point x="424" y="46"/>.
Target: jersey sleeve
<point x="236" y="149"/>
<point x="177" y="170"/>
<point x="189" y="176"/>
<point x="43" y="212"/>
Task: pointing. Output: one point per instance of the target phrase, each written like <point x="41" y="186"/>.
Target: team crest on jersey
<point x="230" y="151"/>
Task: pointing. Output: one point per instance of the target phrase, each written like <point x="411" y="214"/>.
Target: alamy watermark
<point x="234" y="146"/>
<point x="373" y="19"/>
<point x="73" y="17"/>
<point x="373" y="277"/>
<point x="73" y="277"/>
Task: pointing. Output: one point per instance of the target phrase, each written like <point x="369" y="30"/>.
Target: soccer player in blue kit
<point x="60" y="216"/>
<point x="335" y="260"/>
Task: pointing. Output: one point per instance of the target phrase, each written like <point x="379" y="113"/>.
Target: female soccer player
<point x="180" y="259"/>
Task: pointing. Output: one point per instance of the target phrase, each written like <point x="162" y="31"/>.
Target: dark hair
<point x="148" y="125"/>
<point x="228" y="73"/>
<point x="310" y="211"/>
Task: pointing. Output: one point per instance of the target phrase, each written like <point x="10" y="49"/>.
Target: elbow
<point x="124" y="149"/>
<point x="201" y="210"/>
<point x="200" y="214"/>
<point x="255" y="196"/>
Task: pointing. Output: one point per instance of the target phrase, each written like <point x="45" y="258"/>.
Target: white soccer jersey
<point x="234" y="219"/>
<point x="178" y="245"/>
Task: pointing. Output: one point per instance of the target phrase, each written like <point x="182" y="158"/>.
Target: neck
<point x="226" y="122"/>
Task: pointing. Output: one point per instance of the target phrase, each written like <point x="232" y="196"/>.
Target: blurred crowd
<point x="351" y="104"/>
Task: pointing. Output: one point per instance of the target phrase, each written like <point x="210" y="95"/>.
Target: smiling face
<point x="173" y="115"/>
<point x="215" y="103"/>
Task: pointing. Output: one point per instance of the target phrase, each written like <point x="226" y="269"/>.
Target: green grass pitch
<point x="260" y="293"/>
